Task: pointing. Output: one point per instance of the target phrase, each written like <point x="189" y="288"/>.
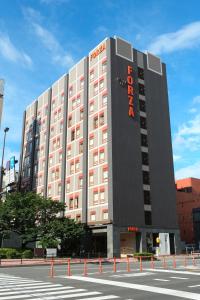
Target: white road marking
<point x="133" y="275"/>
<point x="152" y="289"/>
<point x="191" y="286"/>
<point x="29" y="284"/>
<point x="181" y="278"/>
<point x="159" y="279"/>
<point x="174" y="271"/>
<point x="70" y="296"/>
<point x="102" y="298"/>
<point x="48" y="291"/>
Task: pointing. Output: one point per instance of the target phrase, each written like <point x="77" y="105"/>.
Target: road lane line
<point x="152" y="289"/>
<point x="191" y="286"/>
<point x="159" y="279"/>
<point x="181" y="278"/>
<point x="173" y="271"/>
<point x="101" y="298"/>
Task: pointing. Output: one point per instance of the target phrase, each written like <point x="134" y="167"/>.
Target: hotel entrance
<point x="129" y="243"/>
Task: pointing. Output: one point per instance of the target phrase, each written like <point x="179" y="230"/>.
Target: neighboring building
<point x="99" y="140"/>
<point x="188" y="209"/>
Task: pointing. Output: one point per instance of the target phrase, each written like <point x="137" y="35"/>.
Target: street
<point x="92" y="283"/>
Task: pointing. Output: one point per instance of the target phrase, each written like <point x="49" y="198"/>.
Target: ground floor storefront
<point x="113" y="241"/>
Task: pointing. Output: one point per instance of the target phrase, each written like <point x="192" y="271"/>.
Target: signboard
<point x="130" y="91"/>
<point x="98" y="51"/>
<point x="133" y="229"/>
<point x="51" y="252"/>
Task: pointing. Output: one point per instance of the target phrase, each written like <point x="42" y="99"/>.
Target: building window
<point x="59" y="189"/>
<point x="73" y="104"/>
<point x="101" y="119"/>
<point x="101" y="84"/>
<point x="78" y="218"/>
<point x="71" y="167"/>
<point x="81" y="147"/>
<point x="61" y="127"/>
<point x="77" y="132"/>
<point x="143" y="123"/>
<point x="53" y="105"/>
<point x="57" y="173"/>
<point x="95" y="197"/>
<point x="101" y="156"/>
<point x="91" y="106"/>
<point x="80" y="182"/>
<point x="49" y="191"/>
<point x="71" y="203"/>
<point x="60" y="157"/>
<point x="93" y="217"/>
<point x="105" y="215"/>
<point x="69" y="152"/>
<point x="78" y="100"/>
<point x="148" y="218"/>
<point x="82" y="83"/>
<point x="59" y="114"/>
<point x="105" y="175"/>
<point x="91" y="141"/>
<point x="145" y="158"/>
<point x="145" y="176"/>
<point x="91" y="75"/>
<point x="68" y="186"/>
<point x="104" y="136"/>
<point x="140" y="73"/>
<point x="95" y="89"/>
<point x="141" y="89"/>
<point x="58" y="143"/>
<point x="70" y="91"/>
<point x="81" y="114"/>
<point x="69" y="121"/>
<point x="91" y="178"/>
<point x="142" y="105"/>
<point x="76" y="202"/>
<point x="144" y="141"/>
<point x="50" y="161"/>
<point x="147" y="197"/>
<point x="77" y="165"/>
<point x="73" y="135"/>
<point x="104" y="100"/>
<point x="102" y="196"/>
<point x="104" y="66"/>
<point x="95" y="158"/>
<point x="95" y="122"/>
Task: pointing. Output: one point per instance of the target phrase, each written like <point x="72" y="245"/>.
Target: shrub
<point x="144" y="255"/>
<point x="11" y="253"/>
<point x="27" y="254"/>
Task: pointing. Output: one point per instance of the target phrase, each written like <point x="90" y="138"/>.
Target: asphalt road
<point x="163" y="282"/>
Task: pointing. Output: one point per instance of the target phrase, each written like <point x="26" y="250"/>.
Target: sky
<point x="41" y="39"/>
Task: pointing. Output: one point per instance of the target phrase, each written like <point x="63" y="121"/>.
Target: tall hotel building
<point x="99" y="140"/>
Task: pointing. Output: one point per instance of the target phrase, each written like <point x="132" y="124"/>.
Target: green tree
<point x="35" y="218"/>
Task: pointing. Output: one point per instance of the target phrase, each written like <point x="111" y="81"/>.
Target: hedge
<point x="15" y="253"/>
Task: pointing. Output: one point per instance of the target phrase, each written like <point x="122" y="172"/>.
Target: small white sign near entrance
<point x="51" y="252"/>
<point x="164" y="247"/>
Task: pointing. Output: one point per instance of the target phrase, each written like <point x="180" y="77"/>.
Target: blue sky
<point x="41" y="39"/>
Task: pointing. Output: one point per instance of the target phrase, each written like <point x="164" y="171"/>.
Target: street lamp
<point x="2" y="170"/>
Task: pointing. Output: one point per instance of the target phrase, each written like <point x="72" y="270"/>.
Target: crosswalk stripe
<point x="48" y="291"/>
<point x="158" y="279"/>
<point x="191" y="286"/>
<point x="29" y="284"/>
<point x="100" y="298"/>
<point x="60" y="292"/>
<point x="174" y="271"/>
<point x="71" y="296"/>
<point x="181" y="278"/>
<point x="133" y="274"/>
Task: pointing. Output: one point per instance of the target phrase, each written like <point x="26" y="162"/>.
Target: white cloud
<point x="53" y="1"/>
<point x="188" y="135"/>
<point x="59" y="55"/>
<point x="185" y="38"/>
<point x="192" y="110"/>
<point x="11" y="53"/>
<point x="189" y="171"/>
<point x="176" y="157"/>
<point x="196" y="100"/>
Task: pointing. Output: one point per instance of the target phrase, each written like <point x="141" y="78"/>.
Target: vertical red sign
<point x="130" y="91"/>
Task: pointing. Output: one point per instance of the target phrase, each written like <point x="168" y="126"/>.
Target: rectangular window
<point x="95" y="122"/>
<point x="91" y="75"/>
<point x="142" y="105"/>
<point x="102" y="156"/>
<point x="69" y="121"/>
<point x="61" y="127"/>
<point x="101" y="84"/>
<point x="73" y="135"/>
<point x="91" y="141"/>
<point x="50" y="161"/>
<point x="72" y="168"/>
<point x="146" y="179"/>
<point x="81" y="147"/>
<point x="104" y="136"/>
<point x="77" y="165"/>
<point x="91" y="106"/>
<point x="73" y="103"/>
<point x="81" y="83"/>
<point x="148" y="218"/>
<point x="105" y="215"/>
<point x="144" y="141"/>
<point x="59" y="114"/>
<point x="59" y="189"/>
<point x="95" y="89"/>
<point x="93" y="217"/>
<point x="91" y="178"/>
<point x="68" y="186"/>
<point x="70" y="91"/>
<point x="147" y="197"/>
<point x="78" y="101"/>
<point x="95" y="198"/>
<point x="60" y="157"/>
<point x="80" y="182"/>
<point x="77" y="132"/>
<point x="145" y="158"/>
<point x="81" y="114"/>
<point x="102" y="196"/>
<point x="143" y="123"/>
<point x="78" y="218"/>
<point x="49" y="191"/>
<point x="104" y="100"/>
<point x="76" y="202"/>
<point x="68" y="152"/>
<point x="95" y="158"/>
<point x="140" y="73"/>
<point x="104" y="66"/>
<point x="141" y="89"/>
<point x="105" y="175"/>
<point x="71" y="203"/>
<point x="101" y="119"/>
